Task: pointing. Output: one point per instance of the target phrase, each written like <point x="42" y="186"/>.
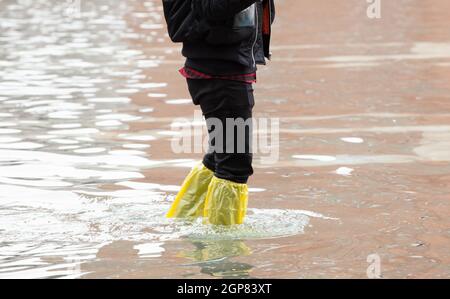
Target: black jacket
<point x="223" y="48"/>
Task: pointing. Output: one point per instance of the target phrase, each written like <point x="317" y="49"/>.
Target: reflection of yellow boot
<point x="189" y="202"/>
<point x="226" y="202"/>
<point x="213" y="257"/>
<point x="215" y="250"/>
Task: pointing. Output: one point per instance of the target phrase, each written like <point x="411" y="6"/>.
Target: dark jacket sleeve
<point x="221" y="9"/>
<point x="273" y="10"/>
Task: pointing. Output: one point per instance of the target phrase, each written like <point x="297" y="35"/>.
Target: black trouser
<point x="225" y="101"/>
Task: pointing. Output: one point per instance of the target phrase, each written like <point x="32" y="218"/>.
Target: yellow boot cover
<point x="226" y="202"/>
<point x="189" y="202"/>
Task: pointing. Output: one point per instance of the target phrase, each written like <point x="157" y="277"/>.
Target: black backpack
<point x="182" y="21"/>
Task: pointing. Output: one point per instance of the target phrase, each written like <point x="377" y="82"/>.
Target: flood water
<point x="89" y="96"/>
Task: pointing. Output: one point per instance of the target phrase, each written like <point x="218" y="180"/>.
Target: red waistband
<point x="194" y="74"/>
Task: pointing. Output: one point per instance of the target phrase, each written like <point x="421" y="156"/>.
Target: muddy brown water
<point x="88" y="99"/>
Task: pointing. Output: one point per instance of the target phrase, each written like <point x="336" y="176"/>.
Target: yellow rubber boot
<point x="226" y="202"/>
<point x="190" y="200"/>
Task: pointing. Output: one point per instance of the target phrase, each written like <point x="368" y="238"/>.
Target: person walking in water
<point x="223" y="42"/>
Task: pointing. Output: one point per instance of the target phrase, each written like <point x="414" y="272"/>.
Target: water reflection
<point x="215" y="258"/>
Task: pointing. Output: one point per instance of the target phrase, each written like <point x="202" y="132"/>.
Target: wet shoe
<point x="190" y="200"/>
<point x="226" y="202"/>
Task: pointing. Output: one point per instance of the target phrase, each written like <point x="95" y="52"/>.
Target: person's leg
<point x="234" y="161"/>
<point x="209" y="160"/>
<point x="231" y="108"/>
<point x="189" y="202"/>
<point x="221" y="198"/>
<point x="230" y="103"/>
